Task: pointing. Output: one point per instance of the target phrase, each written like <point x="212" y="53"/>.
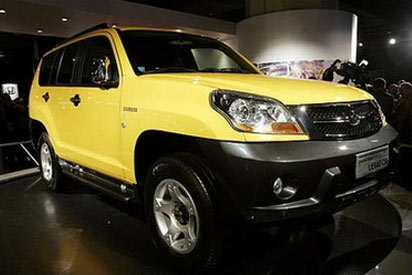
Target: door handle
<point x="46" y="97"/>
<point x="76" y="100"/>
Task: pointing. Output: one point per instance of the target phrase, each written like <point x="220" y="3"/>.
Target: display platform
<point x="84" y="232"/>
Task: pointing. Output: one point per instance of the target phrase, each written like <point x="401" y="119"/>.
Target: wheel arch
<point x="36" y="129"/>
<point x="153" y="144"/>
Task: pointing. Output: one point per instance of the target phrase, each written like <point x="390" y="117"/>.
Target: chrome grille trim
<point x="347" y="120"/>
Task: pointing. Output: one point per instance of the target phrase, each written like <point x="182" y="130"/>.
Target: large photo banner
<point x="296" y="69"/>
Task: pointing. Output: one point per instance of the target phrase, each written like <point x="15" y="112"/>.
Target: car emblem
<point x="354" y="118"/>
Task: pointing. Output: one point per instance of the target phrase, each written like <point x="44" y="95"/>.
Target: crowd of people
<point x="396" y="104"/>
<point x="13" y="119"/>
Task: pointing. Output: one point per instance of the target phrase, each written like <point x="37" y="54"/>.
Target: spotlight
<point x="39" y="30"/>
<point x="2" y="11"/>
<point x="360" y="44"/>
<point x="64" y="19"/>
<point x="114" y="25"/>
<point x="392" y="41"/>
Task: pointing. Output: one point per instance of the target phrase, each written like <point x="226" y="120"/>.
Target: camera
<point x="350" y="71"/>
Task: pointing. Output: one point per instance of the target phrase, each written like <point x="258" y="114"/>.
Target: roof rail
<point x="94" y="28"/>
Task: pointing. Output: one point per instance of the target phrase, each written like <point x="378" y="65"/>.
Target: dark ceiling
<point x="381" y="17"/>
<point x="230" y="10"/>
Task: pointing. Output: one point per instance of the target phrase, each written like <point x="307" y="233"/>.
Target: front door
<point x="94" y="122"/>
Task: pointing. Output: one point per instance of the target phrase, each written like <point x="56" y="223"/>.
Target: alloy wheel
<point x="176" y="216"/>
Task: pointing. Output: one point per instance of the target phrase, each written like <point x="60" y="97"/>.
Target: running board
<point x="112" y="187"/>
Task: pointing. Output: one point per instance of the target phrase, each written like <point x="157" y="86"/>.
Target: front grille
<point x="340" y="121"/>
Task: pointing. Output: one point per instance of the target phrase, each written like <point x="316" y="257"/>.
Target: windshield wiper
<point x="225" y="70"/>
<point x="169" y="70"/>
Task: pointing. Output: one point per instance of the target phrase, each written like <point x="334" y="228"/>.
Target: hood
<point x="288" y="91"/>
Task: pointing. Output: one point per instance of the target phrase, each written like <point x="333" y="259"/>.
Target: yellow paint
<point x="91" y="134"/>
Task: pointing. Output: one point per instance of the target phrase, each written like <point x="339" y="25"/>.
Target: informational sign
<point x="11" y="89"/>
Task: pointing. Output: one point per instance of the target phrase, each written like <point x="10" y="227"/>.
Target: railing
<point x="24" y="172"/>
<point x="406" y="145"/>
<point x="14" y="143"/>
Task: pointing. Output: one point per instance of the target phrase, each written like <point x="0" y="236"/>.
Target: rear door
<point x="56" y="85"/>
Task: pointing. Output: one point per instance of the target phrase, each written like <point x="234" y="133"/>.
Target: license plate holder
<point x="371" y="161"/>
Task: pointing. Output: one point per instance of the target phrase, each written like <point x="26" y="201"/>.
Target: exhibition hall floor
<point x="85" y="232"/>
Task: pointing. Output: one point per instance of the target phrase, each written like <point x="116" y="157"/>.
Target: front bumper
<point x="322" y="171"/>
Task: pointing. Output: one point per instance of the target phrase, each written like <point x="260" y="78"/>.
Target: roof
<point x="105" y="27"/>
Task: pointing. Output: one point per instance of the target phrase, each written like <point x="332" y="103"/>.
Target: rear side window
<point x="45" y="77"/>
<point x="67" y="64"/>
<point x="98" y="47"/>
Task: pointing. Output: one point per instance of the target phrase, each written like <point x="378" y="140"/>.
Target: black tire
<point x="57" y="181"/>
<point x="207" y="250"/>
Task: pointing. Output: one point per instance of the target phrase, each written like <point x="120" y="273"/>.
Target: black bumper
<point x="322" y="171"/>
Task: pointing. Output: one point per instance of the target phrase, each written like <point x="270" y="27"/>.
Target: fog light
<point x="283" y="191"/>
<point x="278" y="186"/>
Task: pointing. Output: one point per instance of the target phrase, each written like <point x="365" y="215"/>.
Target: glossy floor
<point x="84" y="232"/>
<point x="399" y="261"/>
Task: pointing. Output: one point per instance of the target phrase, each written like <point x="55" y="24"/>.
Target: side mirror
<point x="101" y="73"/>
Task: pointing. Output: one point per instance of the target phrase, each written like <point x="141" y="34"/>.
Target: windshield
<point x="164" y="52"/>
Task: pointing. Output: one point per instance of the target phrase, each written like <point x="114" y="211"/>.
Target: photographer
<point x="328" y="75"/>
<point x="384" y="99"/>
<point x="350" y="72"/>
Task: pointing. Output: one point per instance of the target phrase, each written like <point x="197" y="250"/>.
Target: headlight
<point x="255" y="114"/>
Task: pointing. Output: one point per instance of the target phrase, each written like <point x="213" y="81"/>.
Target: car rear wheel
<point x="180" y="211"/>
<point x="51" y="174"/>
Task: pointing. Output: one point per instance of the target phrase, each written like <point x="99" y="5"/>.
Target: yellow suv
<point x="190" y="128"/>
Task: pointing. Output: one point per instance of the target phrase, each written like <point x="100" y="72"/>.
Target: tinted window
<point x="46" y="69"/>
<point x="98" y="47"/>
<point x="67" y="64"/>
<point x="162" y="52"/>
<point x="212" y="58"/>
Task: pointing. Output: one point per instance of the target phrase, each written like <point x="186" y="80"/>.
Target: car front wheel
<point x="180" y="211"/>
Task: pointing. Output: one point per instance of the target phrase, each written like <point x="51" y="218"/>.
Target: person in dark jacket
<point x="328" y="74"/>
<point x="384" y="99"/>
<point x="393" y="89"/>
<point x="402" y="114"/>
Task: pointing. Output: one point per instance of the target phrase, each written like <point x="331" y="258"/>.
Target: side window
<point x="67" y="64"/>
<point x="98" y="47"/>
<point x="45" y="77"/>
